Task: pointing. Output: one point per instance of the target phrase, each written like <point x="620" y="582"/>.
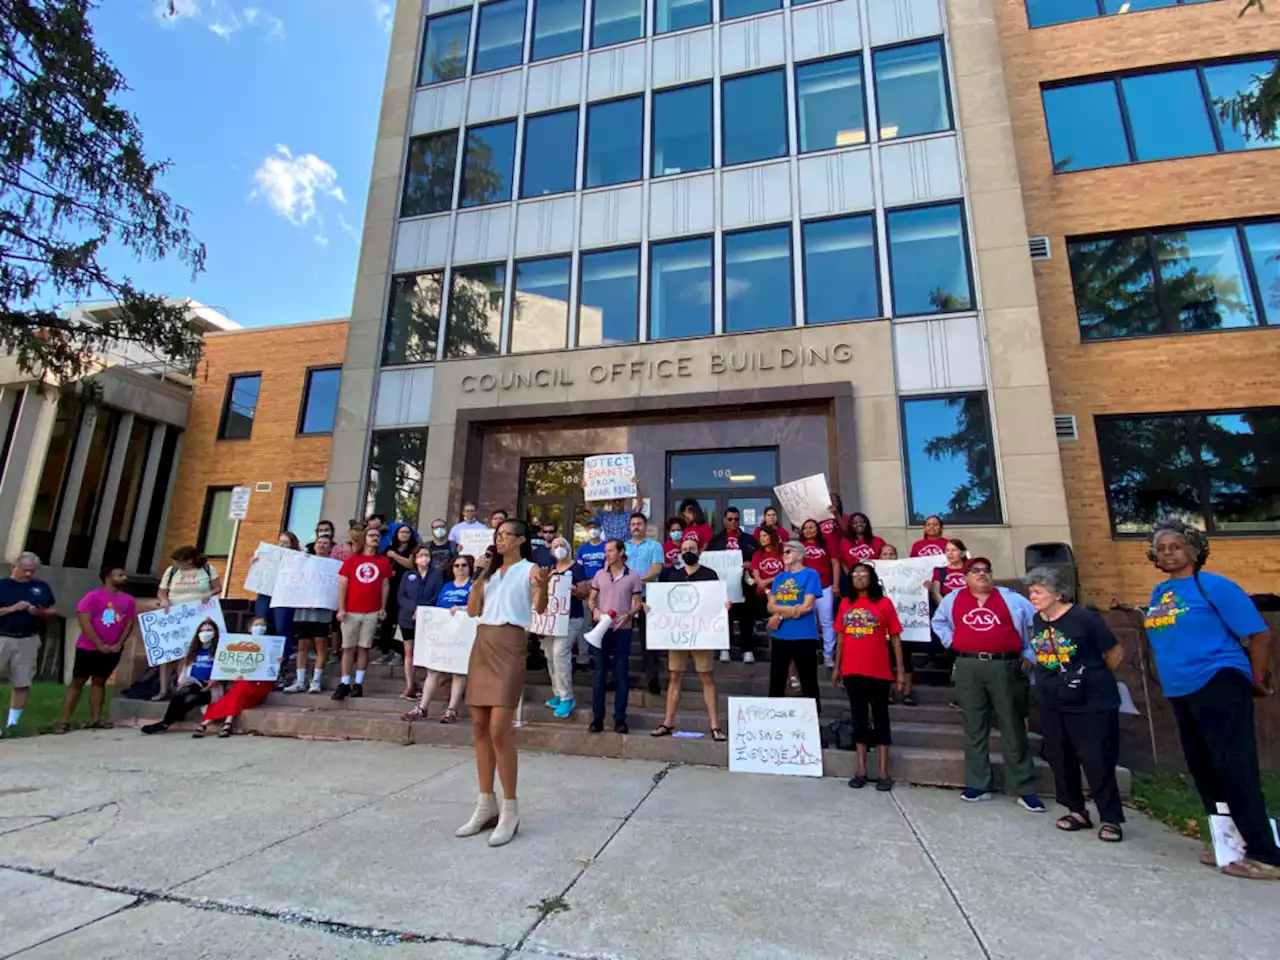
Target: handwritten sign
<point x="167" y="634"/>
<point x="728" y="567"/>
<point x="903" y="582"/>
<point x="261" y="577"/>
<point x="474" y="543"/>
<point x="306" y="582"/>
<point x="443" y="640"/>
<point x="555" y="622"/>
<point x="1228" y="845"/>
<point x="774" y="735"/>
<point x="806" y="499"/>
<point x="609" y="476"/>
<point x="686" y="616"/>
<point x="242" y="656"/>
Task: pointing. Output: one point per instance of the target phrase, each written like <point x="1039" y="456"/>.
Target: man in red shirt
<point x="363" y="584"/>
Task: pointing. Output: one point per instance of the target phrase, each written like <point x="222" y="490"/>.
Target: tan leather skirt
<point x="496" y="672"/>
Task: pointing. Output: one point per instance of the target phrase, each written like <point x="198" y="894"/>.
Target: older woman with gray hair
<point x="1075" y="654"/>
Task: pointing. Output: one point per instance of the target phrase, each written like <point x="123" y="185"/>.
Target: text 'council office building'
<point x="743" y="240"/>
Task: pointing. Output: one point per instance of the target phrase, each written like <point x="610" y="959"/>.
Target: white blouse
<point x="508" y="597"/>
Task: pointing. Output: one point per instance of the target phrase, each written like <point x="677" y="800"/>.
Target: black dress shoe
<point x="341" y="692"/>
<point x="357" y="690"/>
<point x="654" y="688"/>
<point x="620" y="726"/>
<point x="597" y="726"/>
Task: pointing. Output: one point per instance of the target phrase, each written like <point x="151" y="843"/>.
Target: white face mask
<point x="258" y="630"/>
<point x="594" y="534"/>
<point x="206" y="637"/>
<point x="560" y="553"/>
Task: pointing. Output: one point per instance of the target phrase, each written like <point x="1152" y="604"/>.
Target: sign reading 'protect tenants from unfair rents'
<point x="609" y="476"/>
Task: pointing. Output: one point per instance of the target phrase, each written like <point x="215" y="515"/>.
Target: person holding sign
<point x="364" y="583"/>
<point x="793" y="623"/>
<point x="823" y="563"/>
<point x="933" y="544"/>
<point x="241" y="696"/>
<point x="504" y="599"/>
<point x="311" y="627"/>
<point x="616" y="591"/>
<point x="195" y="684"/>
<point x="467" y="521"/>
<point x="867" y="628"/>
<point x="733" y="537"/>
<point x="417" y="589"/>
<point x="678" y="660"/>
<point x="558" y="649"/>
<point x="450" y="596"/>
<point x="189" y="577"/>
<point x="766" y="563"/>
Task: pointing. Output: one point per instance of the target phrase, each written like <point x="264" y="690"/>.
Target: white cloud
<point x="291" y="185"/>
<point x="250" y="14"/>
<point x="226" y="25"/>
<point x="221" y="18"/>
<point x="346" y="227"/>
<point x="168" y="12"/>
<point x="321" y="240"/>
<point x="382" y="10"/>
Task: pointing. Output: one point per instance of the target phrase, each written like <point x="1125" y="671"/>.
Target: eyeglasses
<point x="460" y="566"/>
<point x="979" y="569"/>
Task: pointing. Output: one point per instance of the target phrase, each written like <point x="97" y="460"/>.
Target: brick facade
<point x="273" y="454"/>
<point x="1160" y="374"/>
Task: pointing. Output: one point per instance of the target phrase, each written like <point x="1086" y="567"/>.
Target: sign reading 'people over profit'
<point x="167" y="634"/>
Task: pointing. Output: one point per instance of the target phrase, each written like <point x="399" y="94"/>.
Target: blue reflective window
<point x="540" y="310"/>
<point x="428" y="179"/>
<point x="615" y="136"/>
<point x="303" y="512"/>
<point x="1042" y="13"/>
<point x="444" y="47"/>
<point x="320" y="400"/>
<point x="950" y="466"/>
<point x="732" y="9"/>
<point x="757" y="280"/>
<point x="724" y="468"/>
<point x="1115" y="287"/>
<point x="1226" y="82"/>
<point x="1264" y="254"/>
<point x="616" y="21"/>
<point x="829" y="106"/>
<point x="488" y="165"/>
<point x="499" y="35"/>
<point x="681" y="130"/>
<point x="754" y="112"/>
<point x="1085" y="127"/>
<point x="929" y="260"/>
<point x="557" y="28"/>
<point x="841" y="273"/>
<point x="680" y="14"/>
<point x="609" y="307"/>
<point x="911" y="90"/>
<point x="550" y="153"/>
<point x="680" y="289"/>
<point x="1167" y="115"/>
<point x="1203" y="281"/>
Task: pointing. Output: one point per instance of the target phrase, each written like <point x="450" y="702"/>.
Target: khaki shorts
<point x="358" y="630"/>
<point x="18" y="657"/>
<point x="678" y="660"/>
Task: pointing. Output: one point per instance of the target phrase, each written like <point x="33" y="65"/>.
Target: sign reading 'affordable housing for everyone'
<point x="781" y="735"/>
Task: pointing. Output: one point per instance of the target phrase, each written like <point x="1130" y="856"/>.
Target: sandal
<point x="858" y="782"/>
<point x="1110" y="833"/>
<point x="102" y="725"/>
<point x="662" y="730"/>
<point x="450" y="715"/>
<point x="199" y="731"/>
<point x="884" y="784"/>
<point x="226" y="730"/>
<point x="718" y="735"/>
<point x="1209" y="860"/>
<point x="409" y="695"/>
<point x="1074" y="821"/>
<point x="61" y="728"/>
<point x="417" y="713"/>
<point x="1252" y="870"/>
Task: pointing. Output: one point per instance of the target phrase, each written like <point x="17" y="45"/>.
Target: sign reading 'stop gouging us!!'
<point x="609" y="476"/>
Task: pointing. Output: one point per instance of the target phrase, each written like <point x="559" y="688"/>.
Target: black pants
<point x="1091" y="740"/>
<point x="869" y="695"/>
<point x="649" y="659"/>
<point x="1216" y="727"/>
<point x="386" y="639"/>
<point x="744" y="616"/>
<point x="184" y="701"/>
<point x="805" y="654"/>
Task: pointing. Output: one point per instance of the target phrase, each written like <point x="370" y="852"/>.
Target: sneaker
<point x="724" y="656"/>
<point x="155" y="728"/>
<point x="620" y="726"/>
<point x="1031" y="802"/>
<point x="396" y="660"/>
<point x="315" y="687"/>
<point x="795" y="683"/>
<point x="828" y="663"/>
<point x="654" y="687"/>
<point x="564" y="709"/>
<point x="341" y="692"/>
<point x="553" y="702"/>
<point x="383" y="660"/>
<point x="748" y="657"/>
<point x="974" y="795"/>
<point x="357" y="689"/>
<point x="298" y="686"/>
<point x="597" y="726"/>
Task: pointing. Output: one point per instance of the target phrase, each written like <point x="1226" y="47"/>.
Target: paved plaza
<point x="116" y="845"/>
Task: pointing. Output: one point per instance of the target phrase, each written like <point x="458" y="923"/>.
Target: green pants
<point x="1000" y="685"/>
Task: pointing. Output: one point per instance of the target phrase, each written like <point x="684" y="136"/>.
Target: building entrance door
<point x="552" y="490"/>
<point x="721" y="479"/>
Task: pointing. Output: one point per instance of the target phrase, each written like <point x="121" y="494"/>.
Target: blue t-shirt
<point x="643" y="555"/>
<point x="452" y="595"/>
<point x="789" y="590"/>
<point x="21" y="623"/>
<point x="1192" y="642"/>
<point x="591" y="556"/>
<point x="202" y="665"/>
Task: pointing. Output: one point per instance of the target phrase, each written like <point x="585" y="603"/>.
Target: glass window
<point x="320" y="400"/>
<point x="830" y="108"/>
<point x="550" y="153"/>
<point x="216" y="527"/>
<point x="1042" y="13"/>
<point x="124" y="513"/>
<point x="1085" y="127"/>
<point x="724" y="468"/>
<point x="928" y="260"/>
<point x="731" y="9"/>
<point x="1264" y="254"/>
<point x="475" y="311"/>
<point x="1148" y="471"/>
<point x="1167" y="115"/>
<point x="394" y="487"/>
<point x="444" y="47"/>
<point x="681" y="130"/>
<point x="413" y="318"/>
<point x="499" y="35"/>
<point x="302" y="513"/>
<point x="540" y="313"/>
<point x="1240" y="455"/>
<point x="680" y="289"/>
<point x="1114" y="283"/>
<point x="93" y="482"/>
<point x="911" y="90"/>
<point x="609" y="310"/>
<point x="428" y="181"/>
<point x="1226" y="82"/>
<point x="615" y="137"/>
<point x="680" y="14"/>
<point x="757" y="280"/>
<point x="841" y="273"/>
<point x="616" y="21"/>
<point x="488" y="164"/>
<point x="950" y="467"/>
<point x="1203" y="282"/>
<point x="239" y="406"/>
<point x="557" y="28"/>
<point x="755" y="117"/>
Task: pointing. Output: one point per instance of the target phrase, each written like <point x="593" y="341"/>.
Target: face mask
<point x="560" y="553"/>
<point x="258" y="630"/>
<point x="438" y="532"/>
<point x="690" y="558"/>
<point x="206" y="637"/>
<point x="422" y="563"/>
<point x="676" y="535"/>
<point x="593" y="535"/>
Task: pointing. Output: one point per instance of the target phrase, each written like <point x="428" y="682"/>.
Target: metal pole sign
<point x="239" y="503"/>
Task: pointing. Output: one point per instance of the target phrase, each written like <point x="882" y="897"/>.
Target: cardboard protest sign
<point x="807" y="499"/>
<point x="474" y="543"/>
<point x="903" y="582"/>
<point x="728" y="567"/>
<point x="774" y="735"/>
<point x="609" y="476"/>
<point x="686" y="616"/>
<point x="306" y="582"/>
<point x="555" y="622"/>
<point x="443" y="640"/>
<point x="261" y="577"/>
<point x="167" y="634"/>
<point x="1228" y="845"/>
<point x="242" y="656"/>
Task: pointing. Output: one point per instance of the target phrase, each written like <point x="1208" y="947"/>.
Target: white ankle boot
<point x="508" y="823"/>
<point x="485" y="817"/>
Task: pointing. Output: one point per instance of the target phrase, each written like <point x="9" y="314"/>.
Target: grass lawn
<point x="44" y="707"/>
<point x="1172" y="799"/>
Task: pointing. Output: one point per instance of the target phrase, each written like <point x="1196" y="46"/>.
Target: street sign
<point x="239" y="503"/>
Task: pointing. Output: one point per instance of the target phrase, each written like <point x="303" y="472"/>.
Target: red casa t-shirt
<point x="671" y="552"/>
<point x="951" y="579"/>
<point x="779" y="532"/>
<point x="866" y="626"/>
<point x="765" y="566"/>
<point x="852" y="553"/>
<point x="700" y="532"/>
<point x="364" y="575"/>
<point x="929" y="547"/>
<point x="818" y="560"/>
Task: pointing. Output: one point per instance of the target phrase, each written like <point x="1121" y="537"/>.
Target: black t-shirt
<point x="1070" y="672"/>
<point x="681" y="575"/>
<point x="440" y="554"/>
<point x="20" y="623"/>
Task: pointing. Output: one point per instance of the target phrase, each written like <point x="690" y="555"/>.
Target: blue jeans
<point x="615" y="650"/>
<point x="279" y="624"/>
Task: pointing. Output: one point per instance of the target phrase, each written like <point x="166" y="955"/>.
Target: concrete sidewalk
<point x="118" y="845"/>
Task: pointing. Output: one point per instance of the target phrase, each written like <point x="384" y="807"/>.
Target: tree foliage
<point x="973" y="499"/>
<point x="1255" y="112"/>
<point x="74" y="178"/>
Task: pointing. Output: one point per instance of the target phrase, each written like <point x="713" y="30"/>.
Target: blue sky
<point x="268" y="110"/>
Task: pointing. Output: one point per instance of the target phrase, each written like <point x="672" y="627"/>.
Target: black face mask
<point x="690" y="559"/>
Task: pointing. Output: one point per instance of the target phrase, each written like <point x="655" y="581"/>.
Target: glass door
<point x="719" y="479"/>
